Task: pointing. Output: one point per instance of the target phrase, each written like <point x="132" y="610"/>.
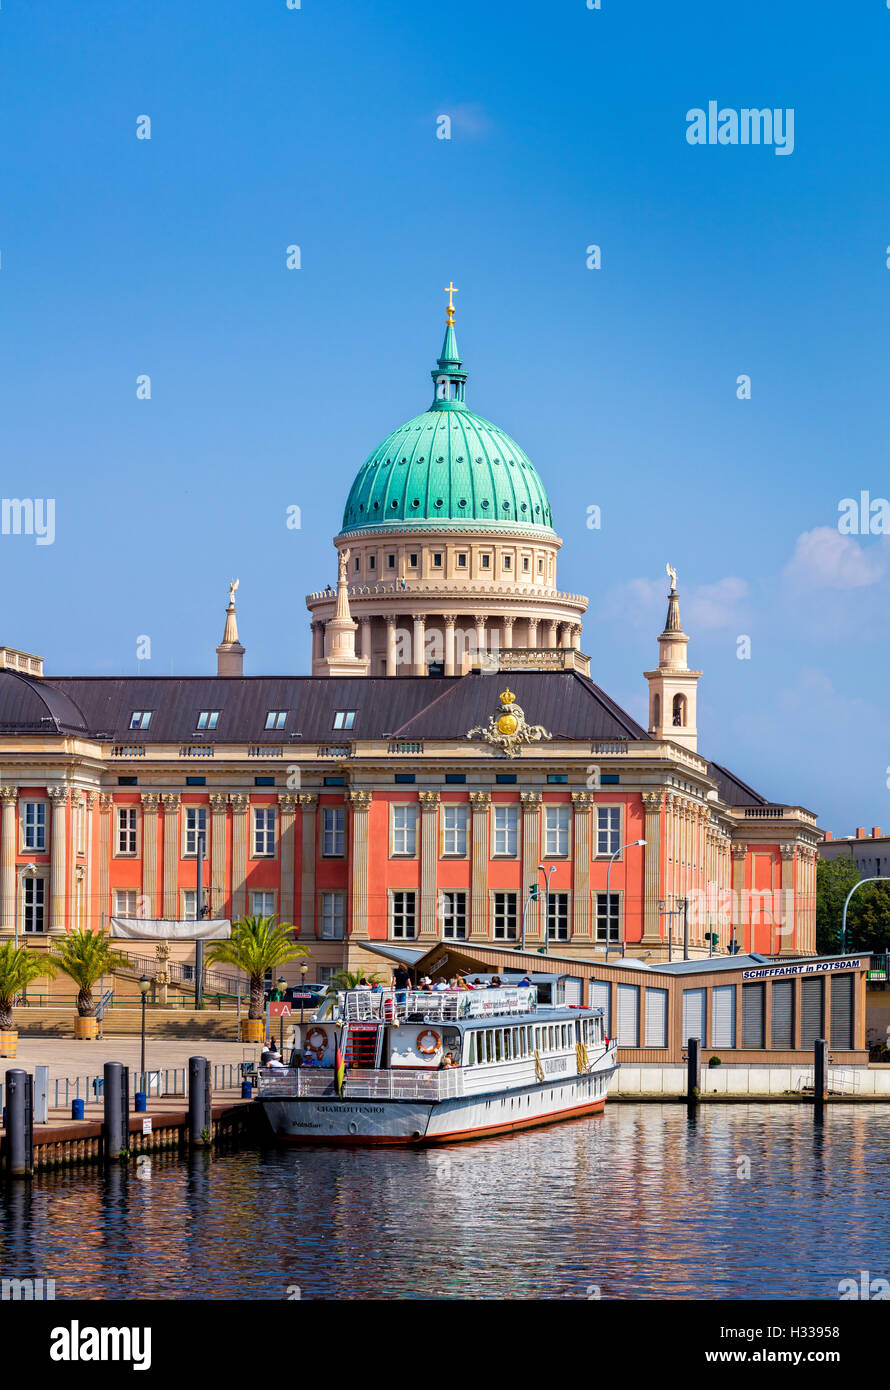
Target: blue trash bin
<point x="77" y="1110"/>
<point x="140" y="1101"/>
<point x="246" y="1090"/>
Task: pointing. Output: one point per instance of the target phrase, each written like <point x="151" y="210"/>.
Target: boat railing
<point x="361" y="1084"/>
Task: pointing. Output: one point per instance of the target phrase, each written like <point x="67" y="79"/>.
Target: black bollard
<point x="693" y="1069"/>
<point x="820" y="1071"/>
<point x="199" y="1100"/>
<point x="115" y="1091"/>
<point x="19" y="1123"/>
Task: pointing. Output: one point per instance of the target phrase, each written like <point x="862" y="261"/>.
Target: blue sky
<point x="317" y="127"/>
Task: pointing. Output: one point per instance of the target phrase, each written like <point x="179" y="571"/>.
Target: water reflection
<point x="741" y="1201"/>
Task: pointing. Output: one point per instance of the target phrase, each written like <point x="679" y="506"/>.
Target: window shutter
<point x="783" y="1014"/>
<point x="693" y="1015"/>
<point x="842" y="1011"/>
<point x="656" y="1018"/>
<point x="752" y="1016"/>
<point x="723" y="1016"/>
<point x="812" y="1014"/>
<point x="628" y="1016"/>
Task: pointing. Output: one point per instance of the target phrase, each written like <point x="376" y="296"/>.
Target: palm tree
<point x="257" y="945"/>
<point x="19" y="965"/>
<point x="351" y="979"/>
<point x="86" y="956"/>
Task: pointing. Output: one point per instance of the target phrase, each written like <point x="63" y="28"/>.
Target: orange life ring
<point x="437" y="1042"/>
<point x="312" y="1043"/>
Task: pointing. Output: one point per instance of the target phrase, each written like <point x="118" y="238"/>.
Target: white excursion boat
<point x="431" y="1068"/>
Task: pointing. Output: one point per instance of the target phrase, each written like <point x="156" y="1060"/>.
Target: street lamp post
<point x="632" y="844"/>
<point x="144" y="987"/>
<point x="663" y="912"/>
<point x="303" y="969"/>
<point x="26" y="871"/>
<point x="876" y="878"/>
<point x="548" y="875"/>
<point x="282" y="986"/>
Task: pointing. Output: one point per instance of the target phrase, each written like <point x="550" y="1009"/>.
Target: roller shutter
<point x="600" y="998"/>
<point x="752" y="1016"/>
<point x="723" y="1016"/>
<point x="783" y="1014"/>
<point x="812" y="1013"/>
<point x="693" y="1015"/>
<point x="572" y="990"/>
<point x="628" y="1016"/>
<point x="842" y="1010"/>
<point x="656" y="1017"/>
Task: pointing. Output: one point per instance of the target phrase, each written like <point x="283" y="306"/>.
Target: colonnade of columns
<point x="415" y="639"/>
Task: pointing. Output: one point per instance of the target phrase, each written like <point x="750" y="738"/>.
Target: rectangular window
<point x="508" y="562"/>
<point x="189" y="904"/>
<point x="556" y="838"/>
<point x="693" y="1015"/>
<point x="333" y="832"/>
<point x="195" y="825"/>
<point x="332" y="916"/>
<point x="558" y="917"/>
<point x="34" y="904"/>
<point x="372" y="562"/>
<point x="404" y="831"/>
<point x="723" y="1016"/>
<point x="656" y="1017"/>
<point x="505" y="916"/>
<point x="208" y="719"/>
<point x="609" y="779"/>
<point x="403" y="915"/>
<point x="540" y="567"/>
<point x="140" y="719"/>
<point x="607" y="917"/>
<point x="505" y="779"/>
<point x="526" y="564"/>
<point x="335" y="781"/>
<point x="391" y="561"/>
<point x="753" y="1016"/>
<point x="344" y="718"/>
<point x="454" y="829"/>
<point x="196" y="781"/>
<point x="412" y="561"/>
<point x="461" y="562"/>
<point x="455" y="778"/>
<point x="405" y="779"/>
<point x="608" y="829"/>
<point x="485" y="561"/>
<point x="276" y="719"/>
<point x="437" y="559"/>
<point x="506" y="830"/>
<point x="557" y="778"/>
<point x="263" y="832"/>
<point x="126" y="829"/>
<point x="628" y="1015"/>
<point x="262" y="781"/>
<point x="34" y="834"/>
<point x="454" y="915"/>
<point x="126" y="902"/>
<point x="262" y="904"/>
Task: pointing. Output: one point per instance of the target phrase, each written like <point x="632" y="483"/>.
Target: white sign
<point x="146" y="1124"/>
<point x="818" y="967"/>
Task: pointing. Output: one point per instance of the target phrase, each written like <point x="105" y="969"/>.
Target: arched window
<point x="656" y="711"/>
<point x="679" y="708"/>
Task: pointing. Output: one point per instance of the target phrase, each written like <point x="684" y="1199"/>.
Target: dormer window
<point x="140" y="719"/>
<point x="276" y="719"/>
<point x="344" y="718"/>
<point x="208" y="719"/>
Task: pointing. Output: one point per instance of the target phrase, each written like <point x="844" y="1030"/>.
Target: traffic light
<point x="533" y="892"/>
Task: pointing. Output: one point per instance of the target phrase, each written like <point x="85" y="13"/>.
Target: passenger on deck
<point x="525" y="981"/>
<point x="401" y="978"/>
<point x="447" y="1062"/>
<point x="495" y="982"/>
<point x="426" y="985"/>
<point x="460" y="983"/>
<point x="442" y="984"/>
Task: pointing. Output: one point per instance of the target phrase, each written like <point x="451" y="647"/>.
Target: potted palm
<point x="257" y="946"/>
<point x="19" y="966"/>
<point x="85" y="956"/>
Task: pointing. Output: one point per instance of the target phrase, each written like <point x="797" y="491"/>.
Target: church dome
<point x="448" y="470"/>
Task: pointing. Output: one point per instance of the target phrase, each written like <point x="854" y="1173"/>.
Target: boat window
<point x="551" y="1043"/>
<point x="508" y="1043"/>
<point x="489" y="1046"/>
<point x="523" y="1049"/>
<point x="471" y="1050"/>
<point x="499" y="1044"/>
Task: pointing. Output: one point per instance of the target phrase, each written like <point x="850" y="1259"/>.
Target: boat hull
<point x="330" y="1120"/>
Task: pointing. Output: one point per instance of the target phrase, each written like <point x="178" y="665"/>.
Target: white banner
<point x="157" y="929"/>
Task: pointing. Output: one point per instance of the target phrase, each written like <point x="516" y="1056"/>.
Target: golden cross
<point x="451" y="291"/>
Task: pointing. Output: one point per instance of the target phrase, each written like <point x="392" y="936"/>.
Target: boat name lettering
<point x="552" y="1064"/>
<point x="352" y="1109"/>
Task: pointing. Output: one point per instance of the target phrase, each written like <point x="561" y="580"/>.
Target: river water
<point x="645" y="1201"/>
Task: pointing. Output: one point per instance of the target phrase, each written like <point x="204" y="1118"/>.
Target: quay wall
<point x="670" y="1081"/>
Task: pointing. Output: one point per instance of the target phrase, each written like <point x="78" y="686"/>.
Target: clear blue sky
<point x="317" y="127"/>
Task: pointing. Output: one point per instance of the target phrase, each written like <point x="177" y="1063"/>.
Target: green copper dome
<point x="448" y="469"/>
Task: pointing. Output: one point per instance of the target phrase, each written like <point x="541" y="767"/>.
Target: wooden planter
<point x="8" y="1042"/>
<point x="253" y="1030"/>
<point x="86" y="1029"/>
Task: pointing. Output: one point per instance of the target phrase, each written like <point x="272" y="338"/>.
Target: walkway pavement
<point x="69" y="1059"/>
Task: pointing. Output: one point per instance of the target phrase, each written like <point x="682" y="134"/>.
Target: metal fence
<point x="361" y="1084"/>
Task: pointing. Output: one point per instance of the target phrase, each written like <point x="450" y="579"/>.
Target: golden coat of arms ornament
<point x="508" y="730"/>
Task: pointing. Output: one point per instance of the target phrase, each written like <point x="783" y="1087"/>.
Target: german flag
<point x="339" y="1070"/>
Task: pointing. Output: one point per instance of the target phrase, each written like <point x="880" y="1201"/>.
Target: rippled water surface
<point x="641" y="1202"/>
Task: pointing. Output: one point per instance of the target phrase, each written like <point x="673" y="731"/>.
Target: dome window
<point x="376" y="505"/>
<point x="478" y="460"/>
<point x="440" y="459"/>
<point x="462" y="502"/>
<point x="537" y="506"/>
<point x="460" y="458"/>
<point x="415" y="503"/>
<point x="403" y="460"/>
<point x="523" y="506"/>
<point x="394" y="505"/>
<point x="420" y="460"/>
<point x="506" y="506"/>
<point x="485" y="502"/>
<point x="361" y="506"/>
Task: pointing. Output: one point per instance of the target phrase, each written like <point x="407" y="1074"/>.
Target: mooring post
<point x="199" y="1099"/>
<point x="115" y="1094"/>
<point x="820" y="1070"/>
<point x="693" y="1069"/>
<point x="19" y="1123"/>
